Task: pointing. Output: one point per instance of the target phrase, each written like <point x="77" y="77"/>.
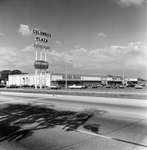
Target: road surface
<point x="57" y="122"/>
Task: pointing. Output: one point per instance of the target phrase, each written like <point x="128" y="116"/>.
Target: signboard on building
<point x="40" y="46"/>
<point x="72" y="77"/>
<point x="104" y="78"/>
<point x="116" y="78"/>
<point x="40" y="64"/>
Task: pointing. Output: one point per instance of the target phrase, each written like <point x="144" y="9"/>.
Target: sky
<point x="101" y="37"/>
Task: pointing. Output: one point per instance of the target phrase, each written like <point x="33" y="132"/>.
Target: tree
<point x="15" y="72"/>
<point x="5" y="73"/>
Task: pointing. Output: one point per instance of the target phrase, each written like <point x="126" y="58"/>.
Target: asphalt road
<point x="56" y="122"/>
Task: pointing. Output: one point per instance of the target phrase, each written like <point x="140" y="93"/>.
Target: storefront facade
<point x="60" y="79"/>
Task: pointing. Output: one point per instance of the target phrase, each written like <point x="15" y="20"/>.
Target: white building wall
<point x="48" y="80"/>
<point x="109" y="79"/>
<point x="9" y="80"/>
<point x="56" y="77"/>
<point x="17" y="78"/>
<point x="91" y="78"/>
<point x="30" y="79"/>
<point x="13" y="79"/>
<point x="133" y="79"/>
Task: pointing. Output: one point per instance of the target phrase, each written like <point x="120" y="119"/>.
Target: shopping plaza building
<point x="49" y="79"/>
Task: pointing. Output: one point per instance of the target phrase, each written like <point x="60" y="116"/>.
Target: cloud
<point x="58" y="42"/>
<point x="12" y="58"/>
<point x="101" y="34"/>
<point x="76" y="46"/>
<point x="8" y="56"/>
<point x="131" y="57"/>
<point x="127" y="3"/>
<point x="28" y="48"/>
<point x="24" y="30"/>
<point x="2" y="34"/>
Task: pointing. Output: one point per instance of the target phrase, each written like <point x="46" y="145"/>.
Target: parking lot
<point x="127" y="92"/>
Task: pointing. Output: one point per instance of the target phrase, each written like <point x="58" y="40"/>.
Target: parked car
<point x="32" y="86"/>
<point x="55" y="86"/>
<point x="84" y="86"/>
<point x="131" y="85"/>
<point x="143" y="84"/>
<point x="94" y="86"/>
<point x="2" y="85"/>
<point x="121" y="86"/>
<point x="108" y="86"/>
<point x="114" y="87"/>
<point x="99" y="85"/>
<point x="12" y="86"/>
<point x="25" y="86"/>
<point x="138" y="86"/>
<point x="76" y="86"/>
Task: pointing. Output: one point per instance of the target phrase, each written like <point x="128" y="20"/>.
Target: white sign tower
<point x="40" y="64"/>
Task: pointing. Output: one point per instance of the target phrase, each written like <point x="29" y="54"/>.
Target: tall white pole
<point x="123" y="78"/>
<point x="36" y="70"/>
<point x="40" y="70"/>
<point x="66" y="63"/>
<point x="45" y="71"/>
<point x="66" y="75"/>
<point x="51" y="78"/>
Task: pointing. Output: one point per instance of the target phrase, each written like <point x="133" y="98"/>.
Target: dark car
<point x="85" y="86"/>
<point x="12" y="86"/>
<point x="2" y="85"/>
<point x="25" y="86"/>
<point x="94" y="86"/>
<point x="108" y="86"/>
<point x="131" y="85"/>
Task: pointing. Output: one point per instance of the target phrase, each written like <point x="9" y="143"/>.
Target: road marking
<point x="129" y="142"/>
<point x="110" y="111"/>
<point x="103" y="136"/>
<point x="110" y="138"/>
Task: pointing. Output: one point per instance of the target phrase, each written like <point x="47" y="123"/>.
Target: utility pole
<point x="66" y="63"/>
<point x="123" y="78"/>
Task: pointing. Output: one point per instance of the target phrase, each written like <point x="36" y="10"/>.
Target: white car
<point x="55" y="87"/>
<point x="138" y="86"/>
<point x="121" y="86"/>
<point x="76" y="86"/>
<point x="99" y="85"/>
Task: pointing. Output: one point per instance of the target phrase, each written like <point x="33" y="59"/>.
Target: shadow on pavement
<point x="18" y="121"/>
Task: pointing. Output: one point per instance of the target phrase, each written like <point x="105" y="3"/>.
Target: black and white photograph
<point x="73" y="74"/>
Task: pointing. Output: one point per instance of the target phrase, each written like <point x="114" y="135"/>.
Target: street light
<point x="66" y="62"/>
<point x="123" y="77"/>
